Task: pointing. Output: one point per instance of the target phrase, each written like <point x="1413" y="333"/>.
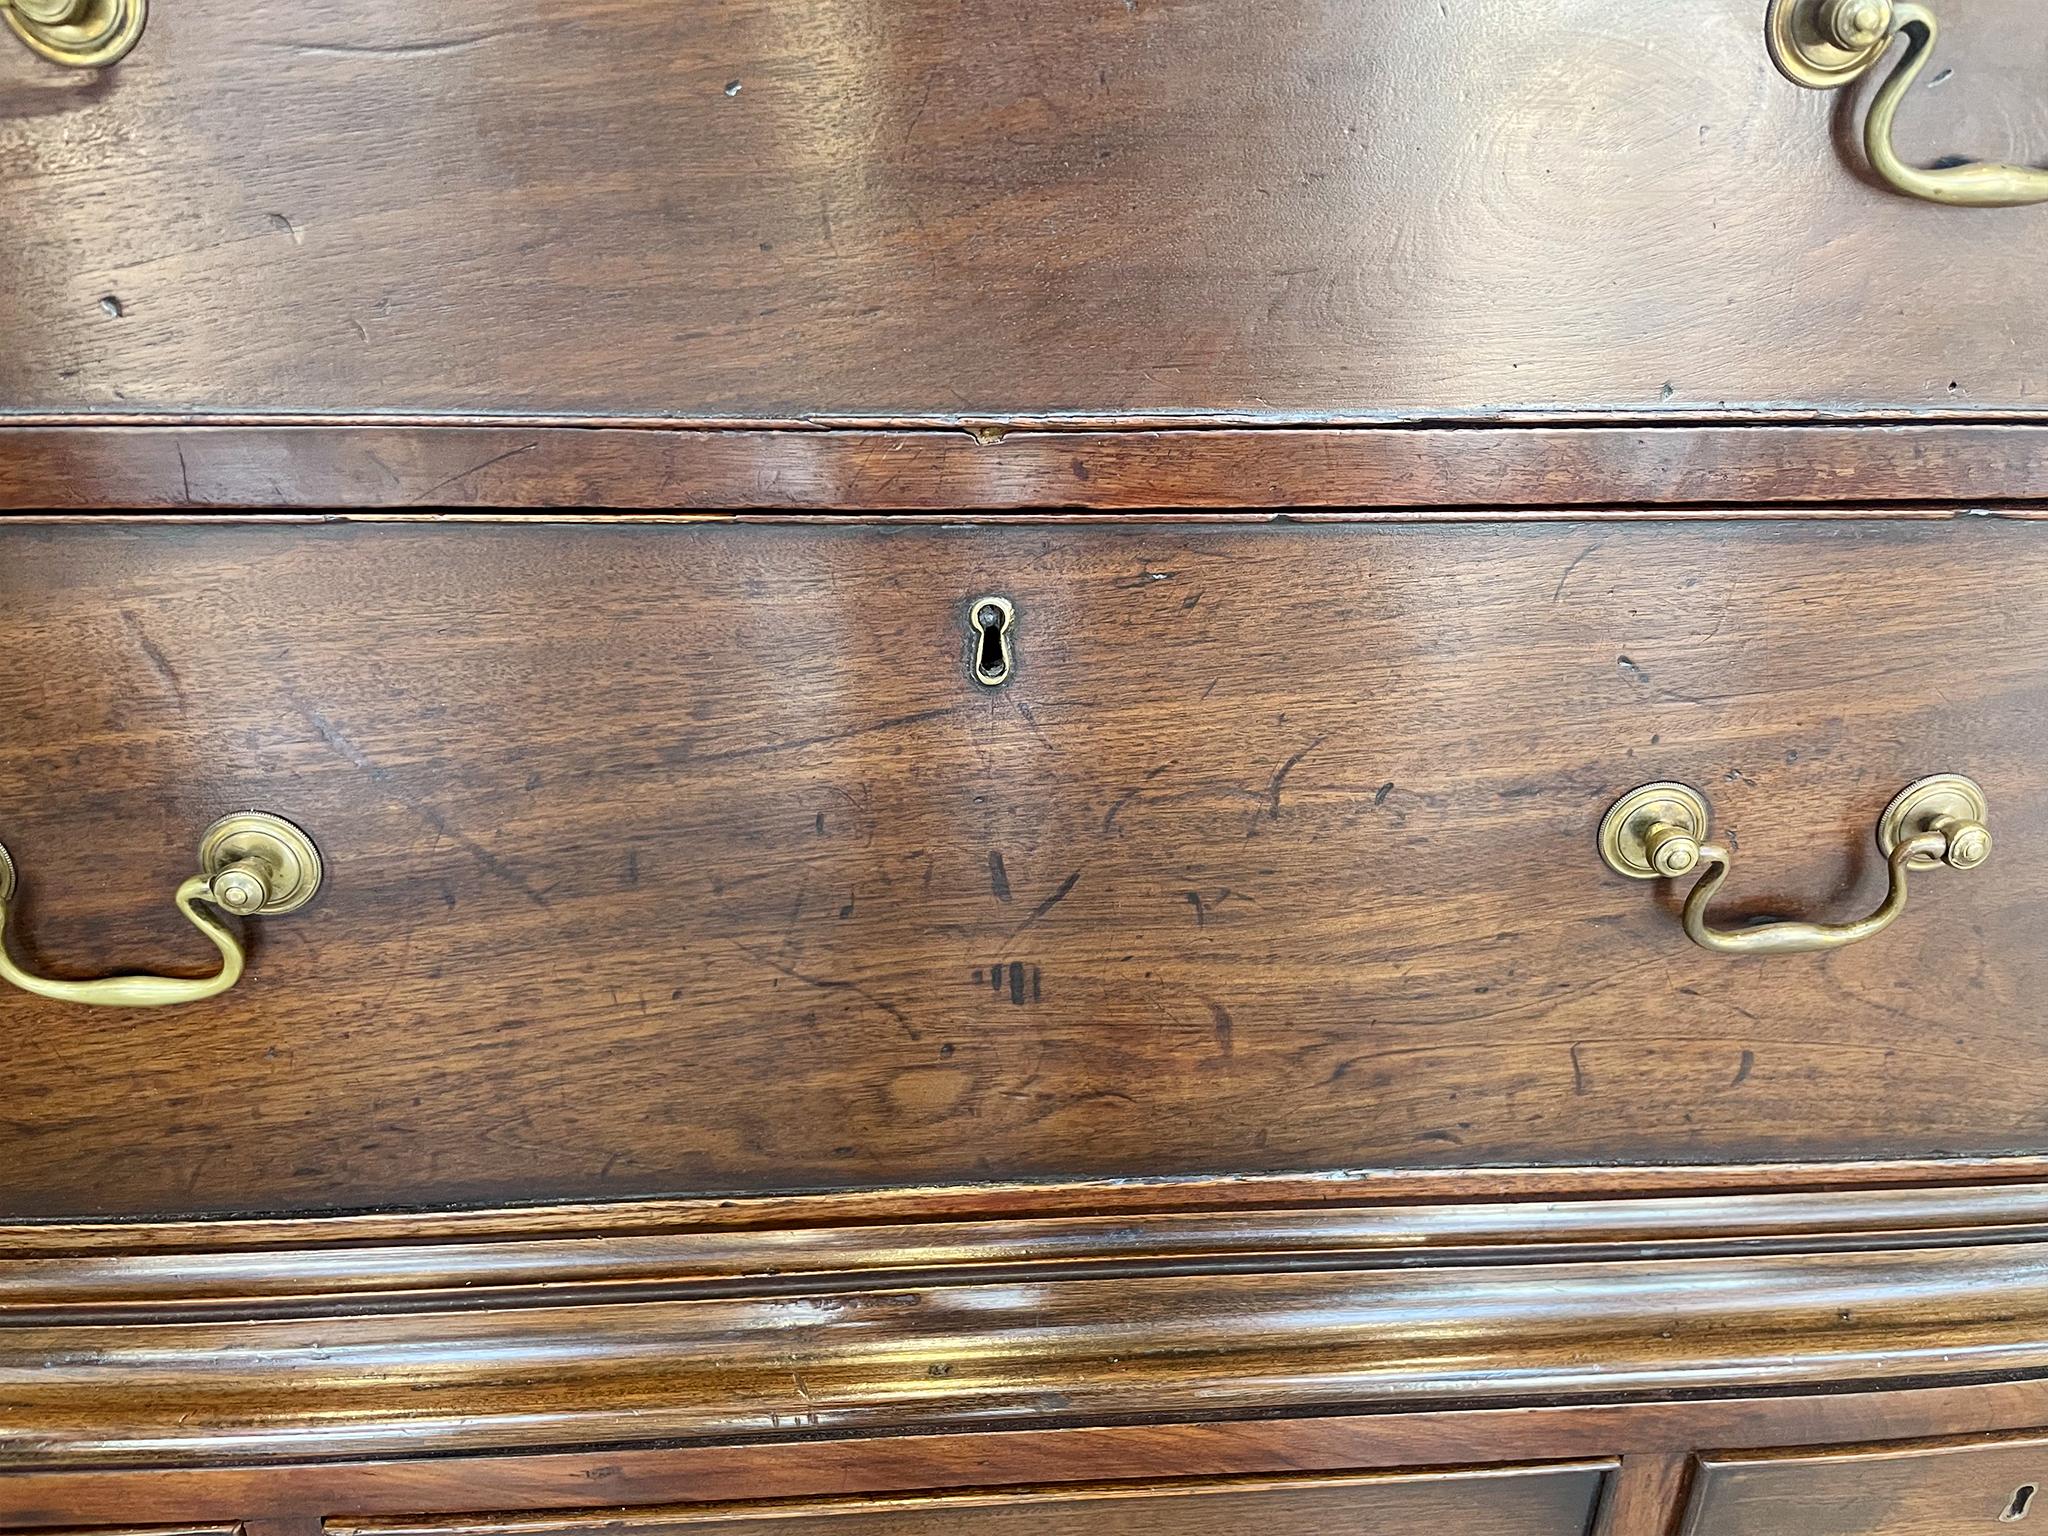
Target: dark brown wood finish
<point x="691" y="859"/>
<point x="1547" y="1501"/>
<point x="1928" y="1491"/>
<point x="1643" y="1498"/>
<point x="922" y="210"/>
<point x="335" y="1347"/>
<point x="1493" y="472"/>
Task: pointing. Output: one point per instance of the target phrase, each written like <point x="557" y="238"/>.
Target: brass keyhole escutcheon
<point x="990" y="620"/>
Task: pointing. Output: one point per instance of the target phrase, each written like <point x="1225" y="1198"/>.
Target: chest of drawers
<point x="1276" y="768"/>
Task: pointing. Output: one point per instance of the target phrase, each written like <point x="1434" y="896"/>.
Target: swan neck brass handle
<point x="1660" y="830"/>
<point x="85" y="34"/>
<point x="1826" y="44"/>
<point x="251" y="865"/>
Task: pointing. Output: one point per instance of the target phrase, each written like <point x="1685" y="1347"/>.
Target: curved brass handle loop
<point x="1798" y="938"/>
<point x="85" y="34"/>
<point x="251" y="865"/>
<point x="1660" y="830"/>
<point x="1825" y="44"/>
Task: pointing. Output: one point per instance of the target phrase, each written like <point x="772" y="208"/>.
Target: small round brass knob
<point x="1672" y="850"/>
<point x="1857" y="24"/>
<point x="1969" y="844"/>
<point x="241" y="887"/>
<point x="1946" y="803"/>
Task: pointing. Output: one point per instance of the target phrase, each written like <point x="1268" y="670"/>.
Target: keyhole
<point x="2017" y="1509"/>
<point x="992" y="618"/>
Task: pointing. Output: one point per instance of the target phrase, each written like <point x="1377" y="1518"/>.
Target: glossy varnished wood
<point x="691" y="860"/>
<point x="1489" y="472"/>
<point x="1655" y="1440"/>
<point x="1874" y="1491"/>
<point x="1546" y="1501"/>
<point x="920" y="210"/>
<point x="335" y="1347"/>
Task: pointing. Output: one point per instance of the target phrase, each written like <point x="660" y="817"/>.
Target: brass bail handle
<point x="1660" y="831"/>
<point x="1826" y="44"/>
<point x="251" y="865"/>
<point x="85" y="34"/>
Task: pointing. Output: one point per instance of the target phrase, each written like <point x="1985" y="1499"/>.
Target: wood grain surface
<point x="921" y="210"/>
<point x="1536" y="1501"/>
<point x="120" y="1271"/>
<point x="333" y="1347"/>
<point x="690" y="859"/>
<point x="962" y="1351"/>
<point x="1930" y="1491"/>
<point x="1389" y="473"/>
<point x="289" y="1499"/>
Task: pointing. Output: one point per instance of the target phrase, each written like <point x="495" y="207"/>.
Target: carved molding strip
<point x="128" y="1359"/>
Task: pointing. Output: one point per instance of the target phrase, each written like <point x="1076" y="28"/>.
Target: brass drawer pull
<point x="1825" y="44"/>
<point x="1660" y="830"/>
<point x="253" y="865"/>
<point x="86" y="34"/>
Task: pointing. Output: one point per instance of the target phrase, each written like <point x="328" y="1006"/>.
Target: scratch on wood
<point x="1280" y="778"/>
<point x="825" y="983"/>
<point x="682" y="754"/>
<point x="475" y="469"/>
<point x="157" y="658"/>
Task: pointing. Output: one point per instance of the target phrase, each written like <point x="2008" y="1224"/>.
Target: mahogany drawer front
<point x="1538" y="1501"/>
<point x="1949" y="1490"/>
<point x="772" y="212"/>
<point x="692" y="859"/>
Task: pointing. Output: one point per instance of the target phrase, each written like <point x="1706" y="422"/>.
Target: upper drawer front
<point x="666" y="859"/>
<point x="926" y="207"/>
<point x="1959" y="1490"/>
<point x="1541" y="1501"/>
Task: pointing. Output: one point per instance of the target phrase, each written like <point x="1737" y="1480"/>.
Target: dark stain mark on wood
<point x="1221" y="1022"/>
<point x="158" y="661"/>
<point x="1379" y="796"/>
<point x="1578" y="1071"/>
<point x="1194" y="899"/>
<point x="1017" y="982"/>
<point x="1280" y="777"/>
<point x="1742" y="1071"/>
<point x="998" y="877"/>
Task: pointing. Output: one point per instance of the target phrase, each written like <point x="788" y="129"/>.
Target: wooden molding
<point x="1490" y="470"/>
<point x="500" y="1340"/>
<point x="1656" y="1439"/>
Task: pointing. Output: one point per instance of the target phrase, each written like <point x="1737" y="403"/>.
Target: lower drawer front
<point x="683" y="859"/>
<point x="1536" y="1501"/>
<point x="1939" y="1491"/>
